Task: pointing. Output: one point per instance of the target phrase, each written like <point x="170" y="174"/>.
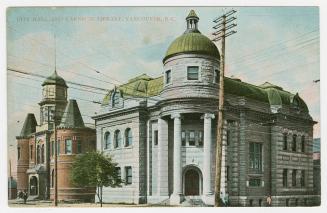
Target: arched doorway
<point x="33" y="186"/>
<point x="192" y="181"/>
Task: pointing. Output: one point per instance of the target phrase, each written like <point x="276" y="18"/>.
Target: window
<point x="284" y="177"/>
<point x="118" y="172"/>
<point x="191" y="138"/>
<point x="117" y="139"/>
<point x="294" y="143"/>
<point x="227" y="173"/>
<point x="294" y="177"/>
<point x="193" y="73"/>
<point x="18" y="153"/>
<point x="58" y="147"/>
<point x="45" y="115"/>
<point x="183" y="138"/>
<point x="51" y="91"/>
<point x="51" y="113"/>
<point x="155" y="138"/>
<point x="128" y="137"/>
<point x="115" y="99"/>
<point x="38" y="154"/>
<point x="254" y="182"/>
<point x="228" y="137"/>
<point x="216" y="76"/>
<point x="52" y="148"/>
<point x="256" y="156"/>
<point x="52" y="178"/>
<point x="42" y="153"/>
<point x="200" y="138"/>
<point x="168" y="76"/>
<point x="31" y="152"/>
<point x="285" y="141"/>
<point x="302" y="178"/>
<point x="128" y="173"/>
<point x="107" y="140"/>
<point x="68" y="146"/>
<point x="303" y="143"/>
<point x="79" y="147"/>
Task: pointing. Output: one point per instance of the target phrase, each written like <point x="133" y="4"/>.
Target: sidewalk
<point x="49" y="204"/>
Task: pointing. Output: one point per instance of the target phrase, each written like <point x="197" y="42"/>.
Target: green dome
<point x="54" y="79"/>
<point x="192" y="42"/>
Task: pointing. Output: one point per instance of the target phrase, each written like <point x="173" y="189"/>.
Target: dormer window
<point x="115" y="99"/>
<point x="168" y="77"/>
<point x="193" y="73"/>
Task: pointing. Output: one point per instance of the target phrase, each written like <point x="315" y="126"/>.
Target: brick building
<point x="162" y="133"/>
<point x="36" y="147"/>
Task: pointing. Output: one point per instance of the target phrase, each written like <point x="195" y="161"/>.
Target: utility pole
<point x="55" y="137"/>
<point x="223" y="24"/>
<point x="55" y="160"/>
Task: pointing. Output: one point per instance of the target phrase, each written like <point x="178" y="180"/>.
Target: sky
<point x="275" y="44"/>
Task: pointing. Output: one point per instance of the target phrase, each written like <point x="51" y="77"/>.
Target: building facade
<point x="162" y="133"/>
<point x="36" y="147"/>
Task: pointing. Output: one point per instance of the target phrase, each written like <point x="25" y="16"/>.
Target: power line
<point x="42" y="76"/>
<point x="277" y="43"/>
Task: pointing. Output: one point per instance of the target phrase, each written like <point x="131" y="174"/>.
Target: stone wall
<point x="133" y="156"/>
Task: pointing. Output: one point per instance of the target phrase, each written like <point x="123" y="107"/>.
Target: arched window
<point x="107" y="140"/>
<point x="117" y="139"/>
<point x="128" y="137"/>
<point x="115" y="99"/>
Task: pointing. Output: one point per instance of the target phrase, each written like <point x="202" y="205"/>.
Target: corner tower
<point x="54" y="100"/>
<point x="191" y="64"/>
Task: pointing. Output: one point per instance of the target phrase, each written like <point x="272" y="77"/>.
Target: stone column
<point x="176" y="197"/>
<point x="162" y="184"/>
<point x="207" y="159"/>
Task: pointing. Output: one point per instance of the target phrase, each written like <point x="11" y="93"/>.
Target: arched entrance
<point x="33" y="186"/>
<point x="192" y="181"/>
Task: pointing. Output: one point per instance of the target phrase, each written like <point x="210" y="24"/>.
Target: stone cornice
<point x="119" y="113"/>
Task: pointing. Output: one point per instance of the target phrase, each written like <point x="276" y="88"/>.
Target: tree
<point x="94" y="169"/>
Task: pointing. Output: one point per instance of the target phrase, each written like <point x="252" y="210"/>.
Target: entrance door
<point x="192" y="182"/>
<point x="33" y="186"/>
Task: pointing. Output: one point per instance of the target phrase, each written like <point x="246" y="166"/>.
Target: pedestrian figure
<point x="25" y="196"/>
<point x="269" y="200"/>
<point x="20" y="194"/>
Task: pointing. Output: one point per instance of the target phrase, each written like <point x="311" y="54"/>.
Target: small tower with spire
<point x="54" y="99"/>
<point x="192" y="22"/>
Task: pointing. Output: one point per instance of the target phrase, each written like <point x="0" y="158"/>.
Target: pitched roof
<point x="72" y="117"/>
<point x="192" y="14"/>
<point x="29" y="125"/>
<point x="55" y="79"/>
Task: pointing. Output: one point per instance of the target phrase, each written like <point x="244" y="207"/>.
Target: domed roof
<point x="54" y="79"/>
<point x="192" y="41"/>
